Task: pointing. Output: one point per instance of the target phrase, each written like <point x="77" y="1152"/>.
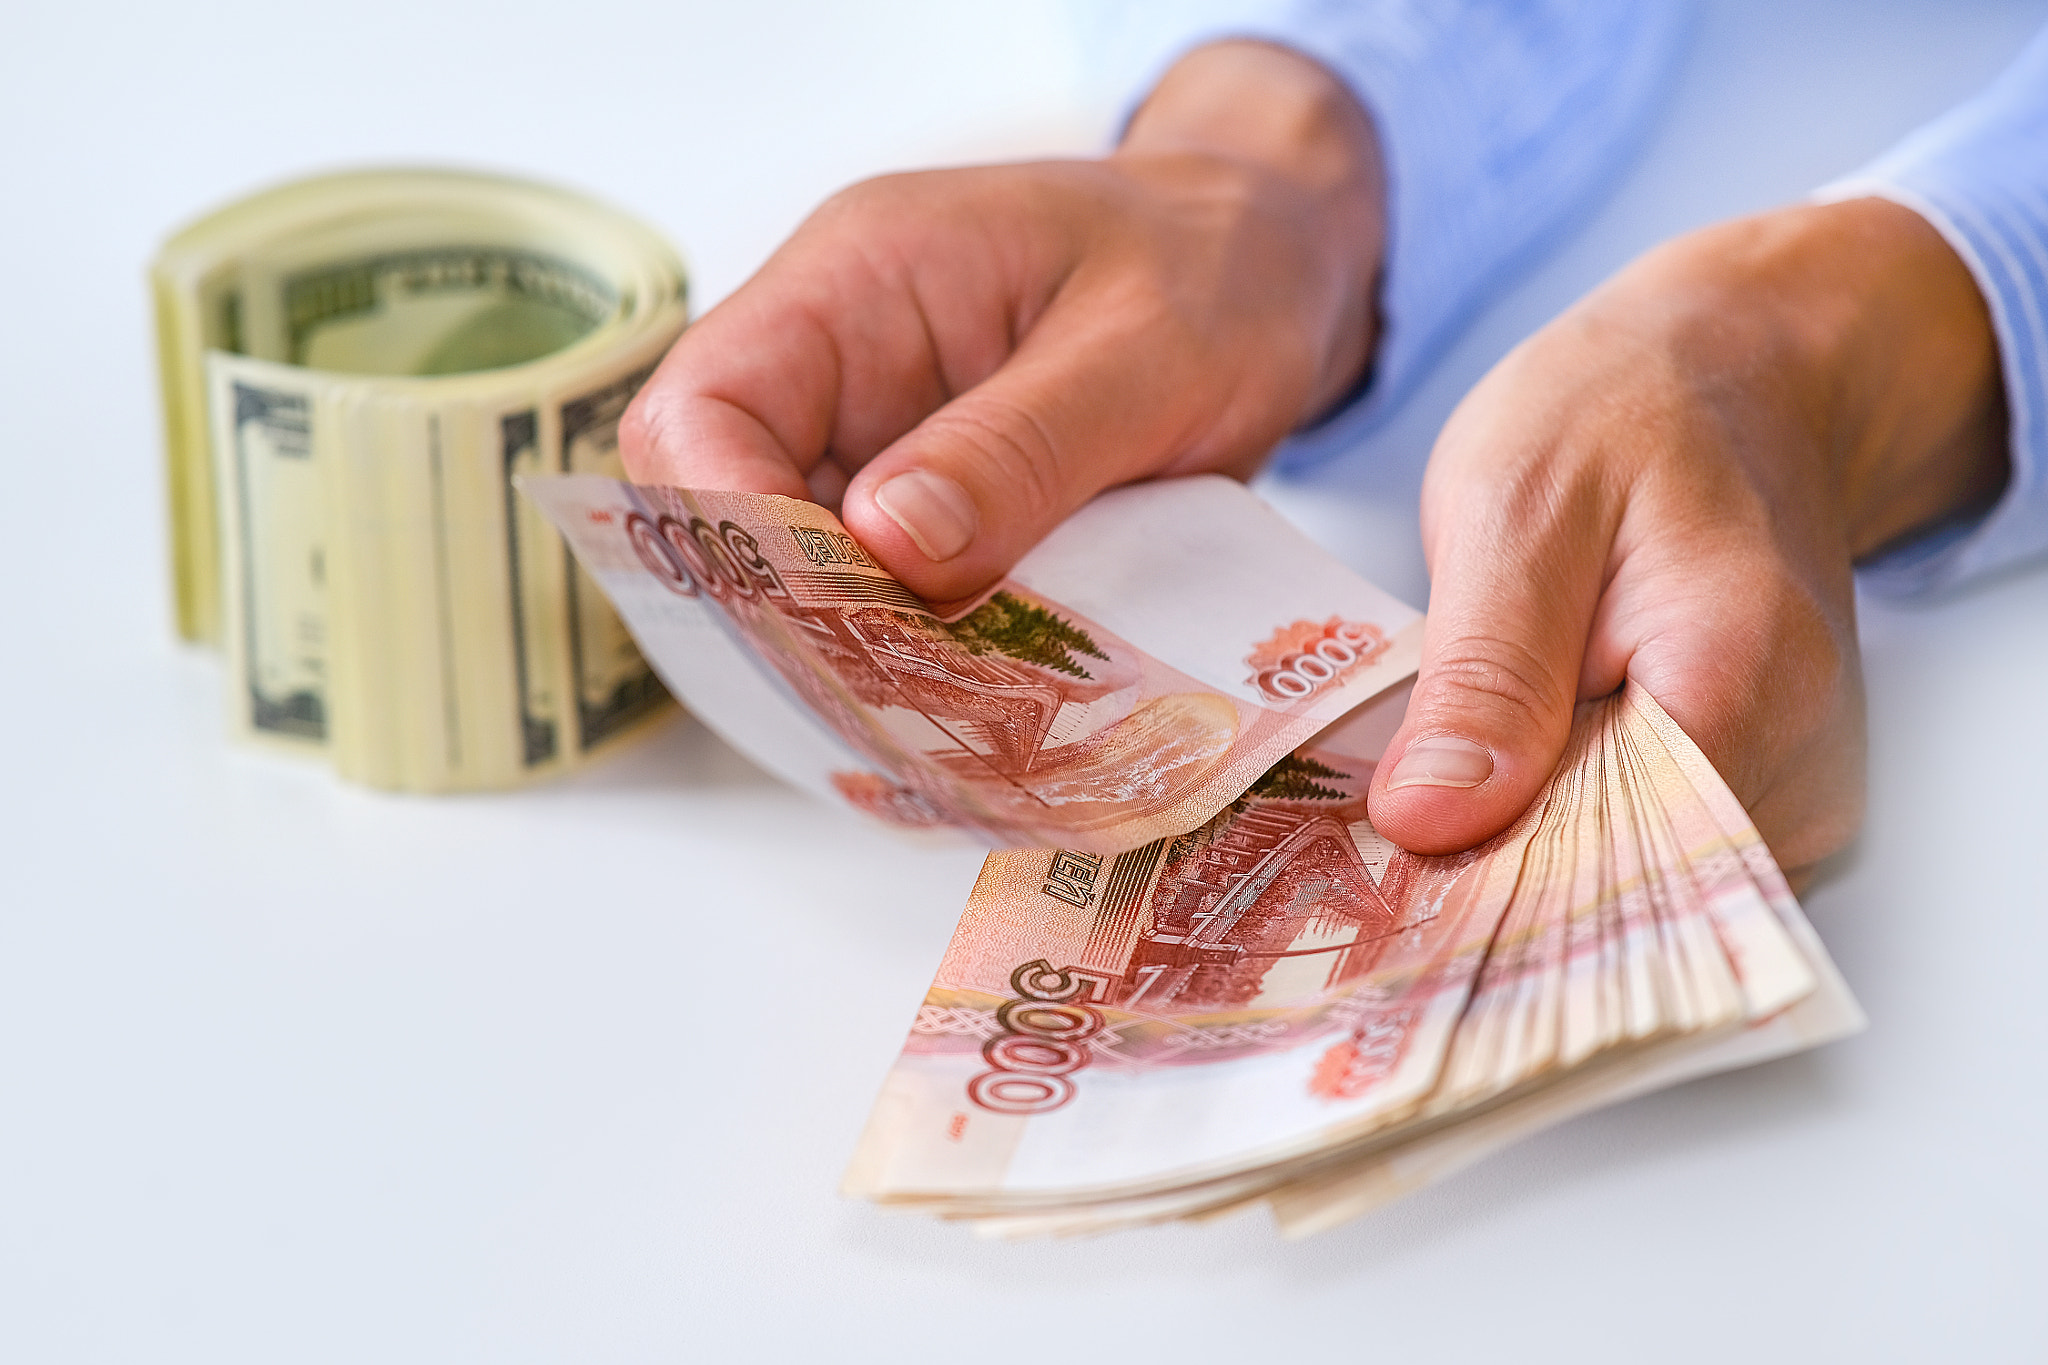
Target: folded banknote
<point x="1127" y="680"/>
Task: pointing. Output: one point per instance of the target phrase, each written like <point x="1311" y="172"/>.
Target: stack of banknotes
<point x="1194" y="977"/>
<point x="354" y="369"/>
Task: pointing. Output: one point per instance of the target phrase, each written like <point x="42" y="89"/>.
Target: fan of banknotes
<point x="1196" y="977"/>
<point x="354" y="369"/>
<point x="1280" y="1006"/>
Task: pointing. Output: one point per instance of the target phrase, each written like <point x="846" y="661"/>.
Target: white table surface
<point x="292" y="1071"/>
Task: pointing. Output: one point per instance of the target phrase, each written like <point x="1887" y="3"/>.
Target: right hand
<point x="1670" y="484"/>
<point x="957" y="360"/>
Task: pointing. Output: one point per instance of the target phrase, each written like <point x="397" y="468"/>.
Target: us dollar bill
<point x="356" y="369"/>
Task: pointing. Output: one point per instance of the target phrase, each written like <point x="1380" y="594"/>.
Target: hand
<point x="1670" y="483"/>
<point x="957" y="360"/>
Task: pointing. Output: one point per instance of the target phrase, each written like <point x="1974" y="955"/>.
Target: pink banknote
<point x="1293" y="966"/>
<point x="1280" y="1000"/>
<point x="1127" y="681"/>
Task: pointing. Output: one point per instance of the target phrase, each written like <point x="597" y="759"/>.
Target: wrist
<point x="1919" y="417"/>
<point x="1857" y="324"/>
<point x="1282" y="126"/>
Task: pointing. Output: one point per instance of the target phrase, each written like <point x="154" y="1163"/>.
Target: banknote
<point x="1133" y="676"/>
<point x="354" y="369"/>
<point x="1282" y="1006"/>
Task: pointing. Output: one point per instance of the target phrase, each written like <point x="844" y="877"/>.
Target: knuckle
<point x="1507" y="684"/>
<point x="864" y="224"/>
<point x="640" y="432"/>
<point x="1527" y="509"/>
<point x="881" y="194"/>
<point x="1141" y="303"/>
<point x="1014" y="451"/>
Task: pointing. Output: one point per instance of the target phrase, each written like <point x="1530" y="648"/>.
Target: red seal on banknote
<point x="1301" y="659"/>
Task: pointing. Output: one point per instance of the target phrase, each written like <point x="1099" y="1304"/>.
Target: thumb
<point x="954" y="503"/>
<point x="1492" y="707"/>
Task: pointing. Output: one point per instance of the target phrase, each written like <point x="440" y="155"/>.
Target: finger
<point x="1095" y="397"/>
<point x="1758" y="664"/>
<point x="859" y="326"/>
<point x="1516" y="577"/>
<point x="713" y="416"/>
<point x="827" y="483"/>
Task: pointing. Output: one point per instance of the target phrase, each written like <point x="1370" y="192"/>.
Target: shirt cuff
<point x="1979" y="177"/>
<point x="1499" y="121"/>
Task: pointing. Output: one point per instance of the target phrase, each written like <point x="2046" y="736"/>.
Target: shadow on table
<point x="678" y="753"/>
<point x="1612" y="1148"/>
<point x="1615" y="1148"/>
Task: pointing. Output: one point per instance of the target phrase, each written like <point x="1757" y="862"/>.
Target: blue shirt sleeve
<point x="1979" y="175"/>
<point x="1499" y="122"/>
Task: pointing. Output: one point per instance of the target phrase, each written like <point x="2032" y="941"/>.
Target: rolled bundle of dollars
<point x="354" y="370"/>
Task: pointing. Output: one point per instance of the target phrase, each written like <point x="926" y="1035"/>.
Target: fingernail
<point x="932" y="510"/>
<point x="1441" y="761"/>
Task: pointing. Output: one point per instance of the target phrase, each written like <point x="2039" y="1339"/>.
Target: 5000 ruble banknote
<point x="1127" y="680"/>
<point x="1282" y="1006"/>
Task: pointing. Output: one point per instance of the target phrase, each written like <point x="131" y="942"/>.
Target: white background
<point x="291" y="1071"/>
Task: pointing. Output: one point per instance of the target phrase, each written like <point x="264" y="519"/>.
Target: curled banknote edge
<point x="1280" y="1006"/>
<point x="1132" y="677"/>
